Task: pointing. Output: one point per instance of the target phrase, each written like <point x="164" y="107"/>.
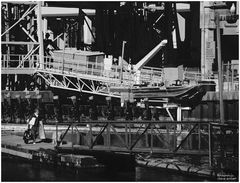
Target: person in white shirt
<point x="33" y="124"/>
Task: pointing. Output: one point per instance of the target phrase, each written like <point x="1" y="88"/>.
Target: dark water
<point x="17" y="169"/>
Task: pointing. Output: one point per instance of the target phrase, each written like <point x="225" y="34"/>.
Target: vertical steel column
<point x="40" y="36"/>
<point x="202" y="9"/>
<point x="8" y="46"/>
<point x="179" y="126"/>
<point x="179" y="117"/>
<point x="220" y="77"/>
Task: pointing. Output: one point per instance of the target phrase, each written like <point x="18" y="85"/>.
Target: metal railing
<point x="160" y="137"/>
<point x="69" y="66"/>
<point x="16" y="61"/>
<point x="230" y="77"/>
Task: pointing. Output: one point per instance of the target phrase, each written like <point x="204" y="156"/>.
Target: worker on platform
<point x="49" y="46"/>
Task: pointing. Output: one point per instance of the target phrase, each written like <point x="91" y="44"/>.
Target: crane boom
<point x="153" y="52"/>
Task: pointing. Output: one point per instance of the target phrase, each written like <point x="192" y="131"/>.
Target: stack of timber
<point x="85" y="62"/>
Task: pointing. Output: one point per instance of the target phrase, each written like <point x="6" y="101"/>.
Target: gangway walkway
<point x="160" y="137"/>
<point x="90" y="78"/>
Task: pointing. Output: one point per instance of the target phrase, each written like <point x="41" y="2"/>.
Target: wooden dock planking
<point x="17" y="153"/>
<point x="44" y="152"/>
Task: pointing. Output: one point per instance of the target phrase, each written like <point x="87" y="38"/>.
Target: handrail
<point x="234" y="123"/>
<point x="73" y="66"/>
<point x="16" y="61"/>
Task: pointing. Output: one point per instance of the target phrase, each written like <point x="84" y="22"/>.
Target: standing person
<point x="49" y="46"/>
<point x="33" y="124"/>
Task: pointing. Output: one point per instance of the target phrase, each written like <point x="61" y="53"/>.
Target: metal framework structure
<point x="88" y="84"/>
<point x="22" y="63"/>
<point x="162" y="137"/>
<point x="34" y="62"/>
<point x="72" y="76"/>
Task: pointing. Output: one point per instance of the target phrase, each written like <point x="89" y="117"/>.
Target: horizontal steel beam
<point x="17" y="71"/>
<point x="19" y="42"/>
<point x="21" y="2"/>
<point x="135" y="150"/>
<point x="138" y="122"/>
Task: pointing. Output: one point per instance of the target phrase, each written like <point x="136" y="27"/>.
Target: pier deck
<point x="44" y="152"/>
<point x="69" y="155"/>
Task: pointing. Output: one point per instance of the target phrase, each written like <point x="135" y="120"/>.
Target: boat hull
<point x="183" y="95"/>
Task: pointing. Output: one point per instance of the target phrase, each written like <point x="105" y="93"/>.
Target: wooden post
<point x="232" y="78"/>
<point x="210" y="144"/>
<point x="174" y="137"/>
<point x="151" y="138"/>
<point x="56" y="131"/>
<point x="146" y="137"/>
<point x="126" y="136"/>
<point x="108" y="135"/>
<point x="199" y="136"/>
<point x="228" y="80"/>
<point x="64" y="45"/>
<point x="91" y="142"/>
<point x="72" y="136"/>
<point x="168" y="136"/>
<point x="130" y="137"/>
<point x="55" y="100"/>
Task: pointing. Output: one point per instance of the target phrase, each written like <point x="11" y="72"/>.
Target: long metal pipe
<point x="153" y="52"/>
<point x="30" y="9"/>
<point x="121" y="74"/>
<point x="203" y="41"/>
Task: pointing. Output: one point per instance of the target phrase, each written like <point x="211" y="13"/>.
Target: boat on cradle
<point x="182" y="95"/>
